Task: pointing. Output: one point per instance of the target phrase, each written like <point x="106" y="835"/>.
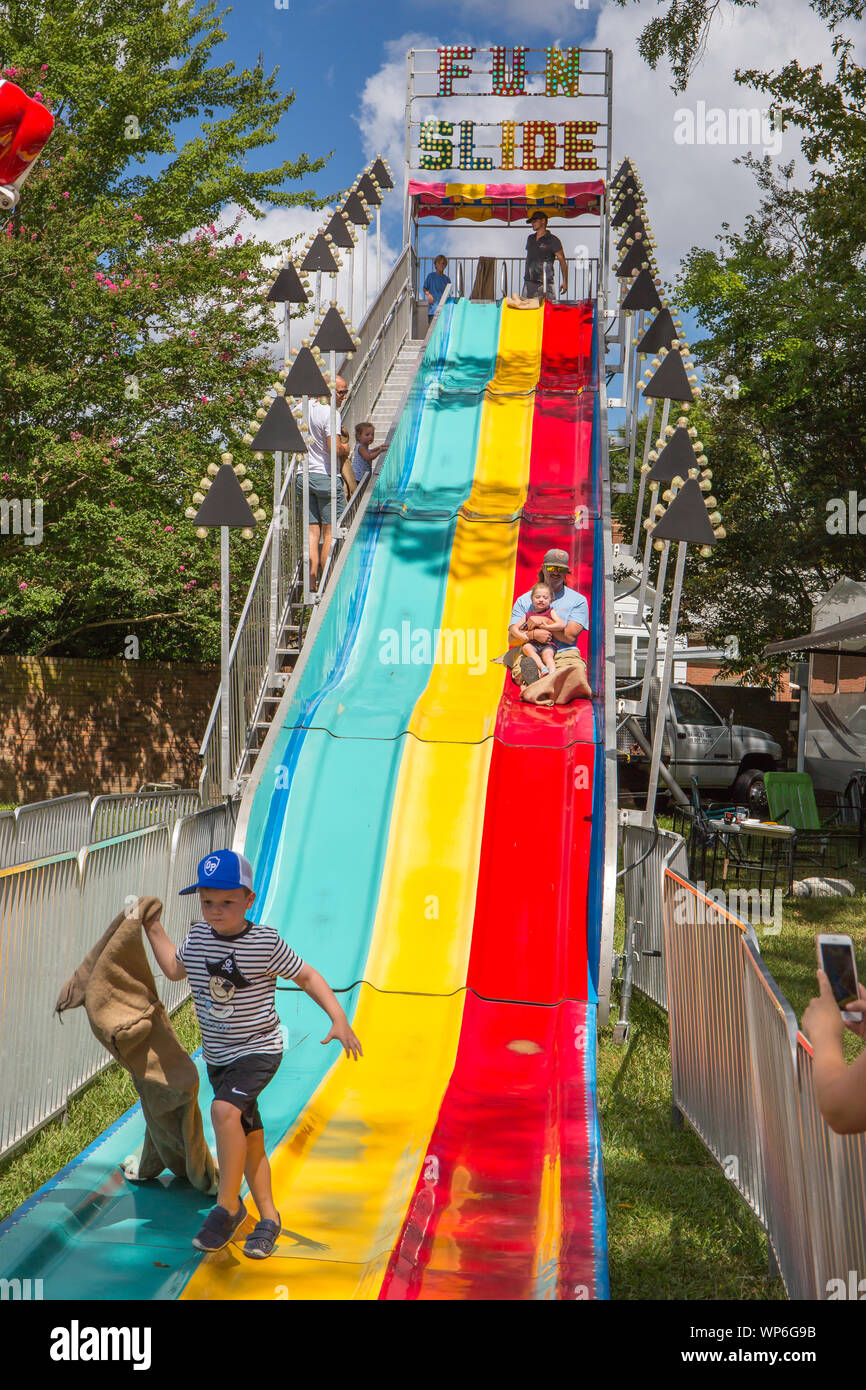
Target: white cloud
<point x="280" y="224"/>
<point x="692" y="189"/>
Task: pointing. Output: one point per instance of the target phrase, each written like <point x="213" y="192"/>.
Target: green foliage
<point x="681" y="34"/>
<point x="134" y="339"/>
<point x="783" y="309"/>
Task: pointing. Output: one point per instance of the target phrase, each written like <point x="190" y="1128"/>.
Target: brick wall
<point x="69" y="725"/>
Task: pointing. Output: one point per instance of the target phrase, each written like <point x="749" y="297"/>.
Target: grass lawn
<point x="88" y="1114"/>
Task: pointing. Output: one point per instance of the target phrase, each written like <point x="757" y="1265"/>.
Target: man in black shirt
<point x="542" y="248"/>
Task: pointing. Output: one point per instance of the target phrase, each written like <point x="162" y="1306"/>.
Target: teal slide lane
<point x="88" y="1233"/>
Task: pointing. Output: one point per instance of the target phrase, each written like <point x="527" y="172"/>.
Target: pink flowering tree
<point x="135" y="343"/>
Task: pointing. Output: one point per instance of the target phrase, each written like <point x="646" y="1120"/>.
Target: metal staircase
<point x="274" y="620"/>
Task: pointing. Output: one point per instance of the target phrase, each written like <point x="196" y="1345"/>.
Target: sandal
<point x="262" y="1240"/>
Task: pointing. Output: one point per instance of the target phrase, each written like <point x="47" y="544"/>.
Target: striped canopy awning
<point x="504" y="202"/>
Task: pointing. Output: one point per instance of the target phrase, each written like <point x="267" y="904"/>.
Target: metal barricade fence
<point x="834" y="1168"/>
<point x="7" y="838"/>
<point x="51" y="914"/>
<point x="46" y="828"/>
<point x="120" y="812"/>
<point x="39" y="949"/>
<point x="112" y="875"/>
<point x="710" y="1056"/>
<point x="772" y="1035"/>
<point x="643" y="888"/>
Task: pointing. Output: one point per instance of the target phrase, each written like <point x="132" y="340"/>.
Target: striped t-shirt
<point x="233" y="979"/>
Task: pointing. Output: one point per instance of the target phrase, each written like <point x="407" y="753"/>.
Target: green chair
<point x="791" y="801"/>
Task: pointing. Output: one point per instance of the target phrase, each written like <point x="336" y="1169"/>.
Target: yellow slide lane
<point x="344" y="1177"/>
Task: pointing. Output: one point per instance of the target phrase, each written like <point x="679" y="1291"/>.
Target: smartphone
<point x="836" y="959"/>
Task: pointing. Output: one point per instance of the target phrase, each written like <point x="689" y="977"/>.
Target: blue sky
<point x="326" y="51"/>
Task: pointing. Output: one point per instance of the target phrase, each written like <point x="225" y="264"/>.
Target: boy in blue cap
<point x="232" y="966"/>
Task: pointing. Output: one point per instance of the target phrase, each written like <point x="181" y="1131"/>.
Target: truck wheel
<point x="750" y="791"/>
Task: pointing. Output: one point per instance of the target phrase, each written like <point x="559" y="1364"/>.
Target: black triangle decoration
<point x="320" y="256"/>
<point x="333" y="335"/>
<point x="675" y="459"/>
<point x="338" y="230"/>
<point x="356" y="210"/>
<point x="669" y="381"/>
<point x="287" y="288"/>
<point x="624" y="170"/>
<point x="368" y="191"/>
<point x="305" y="377"/>
<point x="635" y="225"/>
<point x="636" y="256"/>
<point x="643" y="293"/>
<point x="279" y="432"/>
<point x="686" y="518"/>
<point x="628" y="208"/>
<point x="660" y="333"/>
<point x="380" y="173"/>
<point x="225" y="504"/>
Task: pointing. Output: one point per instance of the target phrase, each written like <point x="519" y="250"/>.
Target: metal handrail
<point x="380" y="321"/>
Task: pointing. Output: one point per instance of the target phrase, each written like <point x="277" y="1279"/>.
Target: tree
<point x="783" y="305"/>
<point x="135" y="343"/>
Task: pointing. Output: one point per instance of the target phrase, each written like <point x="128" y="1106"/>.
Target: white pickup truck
<point x="725" y="757"/>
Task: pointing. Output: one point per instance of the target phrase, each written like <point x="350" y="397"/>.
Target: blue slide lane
<point x="87" y="1233"/>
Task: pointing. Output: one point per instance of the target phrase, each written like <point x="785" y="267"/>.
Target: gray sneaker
<point x="219" y="1227"/>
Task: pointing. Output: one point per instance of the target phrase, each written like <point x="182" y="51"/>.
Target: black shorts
<point x="242" y="1081"/>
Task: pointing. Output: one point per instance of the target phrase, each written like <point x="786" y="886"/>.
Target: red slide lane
<point x="505" y="1185"/>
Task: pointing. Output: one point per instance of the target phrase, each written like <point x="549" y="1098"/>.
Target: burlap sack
<point x="115" y="984"/>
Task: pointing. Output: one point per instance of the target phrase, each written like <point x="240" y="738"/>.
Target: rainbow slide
<point x="435" y="848"/>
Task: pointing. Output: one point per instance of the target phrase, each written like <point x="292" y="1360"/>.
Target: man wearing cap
<point x="572" y="611"/>
<point x="542" y="248"/>
<point x="319" y="467"/>
<point x="232" y="965"/>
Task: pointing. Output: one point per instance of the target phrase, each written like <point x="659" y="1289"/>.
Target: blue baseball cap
<point x="225" y="868"/>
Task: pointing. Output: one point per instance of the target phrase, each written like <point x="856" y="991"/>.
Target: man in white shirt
<point x="319" y="458"/>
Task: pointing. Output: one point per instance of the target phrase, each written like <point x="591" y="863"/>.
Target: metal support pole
<point x="626" y="388"/>
<point x="351" y="304"/>
<point x="642" y="484"/>
<point x="645" y="576"/>
<point x="622" y="1026"/>
<point x="378" y="251"/>
<point x="318" y="290"/>
<point x="305" y="518"/>
<point x="652" y="646"/>
<point x="364" y="275"/>
<point x="275" y="570"/>
<point x="336" y="531"/>
<point x="225" y="754"/>
<point x="664" y="691"/>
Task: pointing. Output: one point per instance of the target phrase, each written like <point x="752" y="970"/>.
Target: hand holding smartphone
<point x="836" y="959"/>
